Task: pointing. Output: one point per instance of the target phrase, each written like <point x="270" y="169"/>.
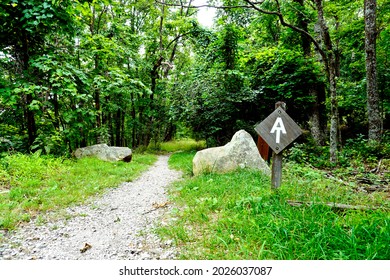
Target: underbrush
<point x="358" y="152"/>
<point x="237" y="216"/>
<point x="33" y="184"/>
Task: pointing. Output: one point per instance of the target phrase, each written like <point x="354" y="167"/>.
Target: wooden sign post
<point x="278" y="130"/>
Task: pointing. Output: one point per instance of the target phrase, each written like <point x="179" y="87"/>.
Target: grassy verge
<point x="182" y="161"/>
<point x="32" y="184"/>
<point x="237" y="216"/>
<point x="179" y="145"/>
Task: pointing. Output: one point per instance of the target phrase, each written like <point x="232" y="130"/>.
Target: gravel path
<point x="118" y="225"/>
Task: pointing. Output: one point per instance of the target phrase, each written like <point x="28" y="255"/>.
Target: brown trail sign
<point x="263" y="148"/>
<point x="278" y="130"/>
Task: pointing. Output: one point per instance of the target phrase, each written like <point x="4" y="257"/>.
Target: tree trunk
<point x="317" y="118"/>
<point x="98" y="115"/>
<point x="97" y="106"/>
<point x="373" y="108"/>
<point x="56" y="112"/>
<point x="29" y="115"/>
<point x="133" y="125"/>
<point x="123" y="135"/>
<point x="334" y="114"/>
<point x="28" y="98"/>
<point x="318" y="94"/>
<point x="118" y="127"/>
<point x="331" y="70"/>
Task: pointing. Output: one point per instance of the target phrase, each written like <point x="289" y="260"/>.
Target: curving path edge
<point x="118" y="225"/>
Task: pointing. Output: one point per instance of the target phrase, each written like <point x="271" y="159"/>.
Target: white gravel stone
<point x="118" y="225"/>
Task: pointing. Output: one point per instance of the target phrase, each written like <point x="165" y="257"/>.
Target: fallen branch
<point x="374" y="188"/>
<point x="377" y="169"/>
<point x="339" y="206"/>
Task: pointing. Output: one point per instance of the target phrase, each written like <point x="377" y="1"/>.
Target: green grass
<point x="31" y="184"/>
<point x="182" y="161"/>
<point x="237" y="216"/>
<point x="182" y="145"/>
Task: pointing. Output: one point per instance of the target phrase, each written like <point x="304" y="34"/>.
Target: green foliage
<point x="237" y="216"/>
<point x="26" y="26"/>
<point x="37" y="184"/>
<point x="212" y="97"/>
<point x="312" y="154"/>
<point x="33" y="17"/>
<point x="132" y="73"/>
<point x="11" y="139"/>
<point x="283" y="74"/>
<point x="363" y="150"/>
<point x="75" y="74"/>
<point x="242" y="85"/>
<point x="355" y="152"/>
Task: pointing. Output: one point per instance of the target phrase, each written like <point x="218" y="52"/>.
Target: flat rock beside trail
<point x="105" y="152"/>
<point x="241" y="152"/>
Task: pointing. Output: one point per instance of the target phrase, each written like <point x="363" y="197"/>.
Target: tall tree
<point x="171" y="28"/>
<point x="373" y="109"/>
<point x="328" y="55"/>
<point x="24" y="27"/>
<point x="317" y="91"/>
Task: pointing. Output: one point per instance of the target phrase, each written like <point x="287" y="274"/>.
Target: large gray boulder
<point x="241" y="152"/>
<point x="105" y="152"/>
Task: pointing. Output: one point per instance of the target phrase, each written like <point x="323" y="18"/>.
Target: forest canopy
<point x="136" y="72"/>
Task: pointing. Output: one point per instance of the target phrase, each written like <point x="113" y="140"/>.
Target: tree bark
<point x="334" y="114"/>
<point x="317" y="118"/>
<point x="28" y="98"/>
<point x="133" y="116"/>
<point x="118" y="126"/>
<point x="97" y="105"/>
<point x="331" y="70"/>
<point x="316" y="115"/>
<point x="373" y="108"/>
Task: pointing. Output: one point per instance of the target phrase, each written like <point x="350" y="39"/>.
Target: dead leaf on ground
<point x="85" y="248"/>
<point x="158" y="205"/>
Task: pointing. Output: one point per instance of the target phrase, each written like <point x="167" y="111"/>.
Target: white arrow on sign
<point x="278" y="127"/>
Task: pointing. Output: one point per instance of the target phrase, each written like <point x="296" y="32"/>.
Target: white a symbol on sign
<point x="278" y="127"/>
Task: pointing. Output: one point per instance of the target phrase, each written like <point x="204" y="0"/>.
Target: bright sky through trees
<point x="205" y="15"/>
